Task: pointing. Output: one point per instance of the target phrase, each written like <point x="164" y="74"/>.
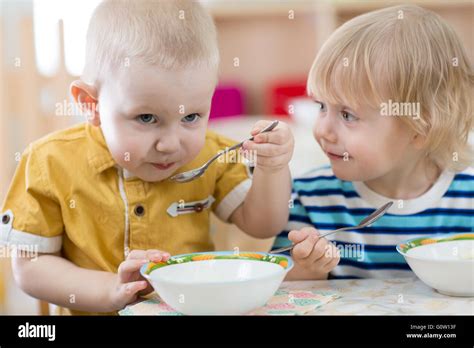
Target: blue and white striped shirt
<point x="325" y="202"/>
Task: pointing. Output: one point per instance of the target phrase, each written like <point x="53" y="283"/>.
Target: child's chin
<point x="154" y="177"/>
<point x="159" y="177"/>
<point x="346" y="175"/>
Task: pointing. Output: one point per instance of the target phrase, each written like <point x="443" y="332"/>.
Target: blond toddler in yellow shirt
<point x="95" y="200"/>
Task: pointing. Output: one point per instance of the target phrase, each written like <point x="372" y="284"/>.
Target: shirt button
<point x="139" y="210"/>
<point x="5" y="219"/>
<point x="198" y="207"/>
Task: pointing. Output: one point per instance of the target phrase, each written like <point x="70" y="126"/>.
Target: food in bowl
<point x="444" y="262"/>
<point x="218" y="282"/>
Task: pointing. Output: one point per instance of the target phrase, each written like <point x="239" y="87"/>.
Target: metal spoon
<point x="196" y="173"/>
<point x="364" y="223"/>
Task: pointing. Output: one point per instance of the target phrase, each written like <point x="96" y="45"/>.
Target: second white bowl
<point x="444" y="262"/>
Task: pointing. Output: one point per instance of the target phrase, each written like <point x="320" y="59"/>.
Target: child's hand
<point x="130" y="282"/>
<point x="315" y="256"/>
<point x="273" y="149"/>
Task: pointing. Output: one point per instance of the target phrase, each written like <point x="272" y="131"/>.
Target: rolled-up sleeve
<point x="31" y="214"/>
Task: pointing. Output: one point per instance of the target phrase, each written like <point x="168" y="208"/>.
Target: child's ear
<point x="419" y="141"/>
<point x="85" y="96"/>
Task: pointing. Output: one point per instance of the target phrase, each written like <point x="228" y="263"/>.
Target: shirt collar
<point x="429" y="199"/>
<point x="99" y="156"/>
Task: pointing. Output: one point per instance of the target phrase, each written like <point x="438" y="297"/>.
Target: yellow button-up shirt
<point x="69" y="195"/>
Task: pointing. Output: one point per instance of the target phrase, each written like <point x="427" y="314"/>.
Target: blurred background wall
<point x="267" y="48"/>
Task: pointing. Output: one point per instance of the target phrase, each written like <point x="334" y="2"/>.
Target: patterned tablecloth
<point x="343" y="297"/>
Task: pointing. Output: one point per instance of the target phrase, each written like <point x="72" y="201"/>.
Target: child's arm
<point x="57" y="280"/>
<point x="265" y="211"/>
<point x="314" y="257"/>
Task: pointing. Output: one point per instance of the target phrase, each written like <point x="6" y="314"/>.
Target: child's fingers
<point x="319" y="251"/>
<point x="297" y="236"/>
<point x="148" y="289"/>
<point x="151" y="254"/>
<point x="125" y="293"/>
<point x="259" y="126"/>
<point x="137" y="254"/>
<point x="157" y="255"/>
<point x="303" y="249"/>
<point x="266" y="149"/>
<point x="130" y="266"/>
<point x="330" y="264"/>
<point x="128" y="291"/>
<point x="276" y="136"/>
<point x="330" y="258"/>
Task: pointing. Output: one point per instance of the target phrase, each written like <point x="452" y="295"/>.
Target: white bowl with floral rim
<point x="218" y="283"/>
<point x="445" y="262"/>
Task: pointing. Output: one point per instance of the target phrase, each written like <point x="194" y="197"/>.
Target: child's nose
<point x="169" y="144"/>
<point x="324" y="129"/>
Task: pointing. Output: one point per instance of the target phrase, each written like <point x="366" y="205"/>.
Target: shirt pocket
<point x="182" y="207"/>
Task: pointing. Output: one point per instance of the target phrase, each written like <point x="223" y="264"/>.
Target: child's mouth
<point x="333" y="156"/>
<point x="163" y="166"/>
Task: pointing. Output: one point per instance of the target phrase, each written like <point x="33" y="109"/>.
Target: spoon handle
<point x="268" y="128"/>
<point x="280" y="250"/>
<point x="236" y="146"/>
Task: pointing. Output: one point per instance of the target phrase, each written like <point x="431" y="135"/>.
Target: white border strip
<point x="123" y="195"/>
<point x="232" y="200"/>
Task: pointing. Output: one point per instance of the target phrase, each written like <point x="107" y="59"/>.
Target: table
<point x="402" y="296"/>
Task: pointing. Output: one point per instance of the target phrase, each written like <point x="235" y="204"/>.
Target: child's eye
<point x="147" y="118"/>
<point x="191" y="118"/>
<point x="321" y="106"/>
<point x="348" y="117"/>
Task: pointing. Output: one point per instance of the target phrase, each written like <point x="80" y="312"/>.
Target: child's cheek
<point x="124" y="157"/>
<point x="194" y="145"/>
<point x="125" y="153"/>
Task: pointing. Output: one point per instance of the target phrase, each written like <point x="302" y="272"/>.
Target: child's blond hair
<point x="170" y="34"/>
<point x="409" y="55"/>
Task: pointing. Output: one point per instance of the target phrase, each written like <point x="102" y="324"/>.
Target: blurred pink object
<point x="227" y="101"/>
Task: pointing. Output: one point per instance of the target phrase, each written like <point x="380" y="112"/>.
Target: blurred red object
<point x="228" y="100"/>
<point x="280" y="93"/>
